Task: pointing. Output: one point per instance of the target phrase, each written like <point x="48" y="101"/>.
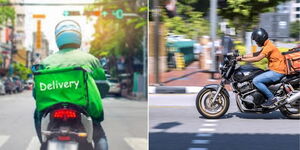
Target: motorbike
<point x="213" y="100"/>
<point x="66" y="126"/>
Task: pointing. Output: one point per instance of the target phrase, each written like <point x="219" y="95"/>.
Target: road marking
<point x="137" y="143"/>
<point x="197" y="149"/>
<point x="207" y="129"/>
<point x="211" y="120"/>
<point x="3" y="139"/>
<point x="204" y="135"/>
<point x="200" y="141"/>
<point x="209" y="125"/>
<point x="160" y="106"/>
<point x="34" y="144"/>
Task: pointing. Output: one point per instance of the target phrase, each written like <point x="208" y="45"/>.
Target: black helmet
<point x="259" y="35"/>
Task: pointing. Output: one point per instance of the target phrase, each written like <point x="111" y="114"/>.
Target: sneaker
<point x="269" y="103"/>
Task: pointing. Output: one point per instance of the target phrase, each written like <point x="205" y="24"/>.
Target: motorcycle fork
<point x="221" y="86"/>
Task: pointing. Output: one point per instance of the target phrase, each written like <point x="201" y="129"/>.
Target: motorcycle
<point x="213" y="100"/>
<point x="66" y="126"/>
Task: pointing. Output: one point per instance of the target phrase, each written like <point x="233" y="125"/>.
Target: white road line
<point x="3" y="139"/>
<point x="211" y="120"/>
<point x="197" y="149"/>
<point x="207" y="129"/>
<point x="200" y="141"/>
<point x="34" y="144"/>
<point x="209" y="125"/>
<point x="137" y="143"/>
<point x="204" y="135"/>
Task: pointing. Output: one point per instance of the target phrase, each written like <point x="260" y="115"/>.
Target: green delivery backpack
<point x="68" y="85"/>
<point x="61" y="85"/>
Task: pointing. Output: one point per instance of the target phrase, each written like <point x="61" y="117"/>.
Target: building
<point x="40" y="53"/>
<point x="18" y="37"/>
<point x="5" y="46"/>
<point x="276" y="24"/>
<point x="292" y="8"/>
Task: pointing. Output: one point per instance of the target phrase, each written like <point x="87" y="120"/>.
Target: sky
<point x="54" y="14"/>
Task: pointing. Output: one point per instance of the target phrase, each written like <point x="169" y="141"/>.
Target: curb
<point x="173" y="89"/>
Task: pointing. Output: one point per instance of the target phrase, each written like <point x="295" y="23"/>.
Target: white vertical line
<point x="200" y="141"/>
<point x="204" y="135"/>
<point x="3" y="139"/>
<point x="211" y="120"/>
<point x="197" y="148"/>
<point x="209" y="125"/>
<point x="207" y="129"/>
<point x="137" y="143"/>
<point x="34" y="144"/>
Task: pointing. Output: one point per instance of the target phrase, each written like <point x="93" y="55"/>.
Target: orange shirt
<point x="275" y="58"/>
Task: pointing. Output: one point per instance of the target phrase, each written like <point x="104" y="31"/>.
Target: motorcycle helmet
<point x="259" y="35"/>
<point x="68" y="34"/>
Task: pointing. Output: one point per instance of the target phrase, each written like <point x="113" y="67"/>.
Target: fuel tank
<point x="246" y="72"/>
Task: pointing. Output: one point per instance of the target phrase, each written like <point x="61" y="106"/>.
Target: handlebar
<point x="235" y="53"/>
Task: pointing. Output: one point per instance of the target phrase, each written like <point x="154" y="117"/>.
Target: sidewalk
<point x="197" y="79"/>
<point x="187" y="84"/>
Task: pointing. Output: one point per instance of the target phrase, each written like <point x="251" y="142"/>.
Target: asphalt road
<point x="175" y="124"/>
<point x="125" y="123"/>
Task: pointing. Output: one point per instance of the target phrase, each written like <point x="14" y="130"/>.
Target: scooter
<point x="66" y="126"/>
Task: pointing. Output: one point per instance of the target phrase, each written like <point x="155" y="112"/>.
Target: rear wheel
<point x="291" y="111"/>
<point x="209" y="109"/>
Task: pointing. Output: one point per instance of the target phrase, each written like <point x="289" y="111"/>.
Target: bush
<point x="21" y="71"/>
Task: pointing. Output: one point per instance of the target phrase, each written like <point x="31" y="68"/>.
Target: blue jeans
<point x="265" y="78"/>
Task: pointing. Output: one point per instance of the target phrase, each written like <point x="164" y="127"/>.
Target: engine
<point x="253" y="99"/>
<point x="244" y="87"/>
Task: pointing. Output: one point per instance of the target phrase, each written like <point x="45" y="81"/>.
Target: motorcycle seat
<point x="288" y="78"/>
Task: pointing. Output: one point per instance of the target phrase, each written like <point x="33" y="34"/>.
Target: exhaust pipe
<point x="293" y="98"/>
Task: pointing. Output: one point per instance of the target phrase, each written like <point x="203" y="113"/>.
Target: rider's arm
<point x="254" y="59"/>
<point x="251" y="55"/>
<point x="98" y="72"/>
<point x="247" y="56"/>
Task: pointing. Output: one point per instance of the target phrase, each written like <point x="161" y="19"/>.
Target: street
<point x="175" y="124"/>
<point x="125" y="123"/>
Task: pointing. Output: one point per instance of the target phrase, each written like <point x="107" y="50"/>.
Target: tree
<point x="295" y="30"/>
<point x="7" y="13"/>
<point x="118" y="37"/>
<point x="244" y="14"/>
<point x="188" y="21"/>
<point x="21" y="71"/>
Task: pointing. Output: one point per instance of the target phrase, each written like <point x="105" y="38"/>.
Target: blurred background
<point x="188" y="38"/>
<point x="187" y="41"/>
<point x="114" y="31"/>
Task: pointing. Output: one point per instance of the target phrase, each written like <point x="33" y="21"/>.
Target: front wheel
<point x="209" y="109"/>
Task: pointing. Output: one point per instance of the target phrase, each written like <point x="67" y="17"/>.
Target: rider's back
<point x="73" y="57"/>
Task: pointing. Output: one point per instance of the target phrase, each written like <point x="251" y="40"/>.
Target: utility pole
<point x="12" y="49"/>
<point x="213" y="23"/>
<point x="156" y="40"/>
